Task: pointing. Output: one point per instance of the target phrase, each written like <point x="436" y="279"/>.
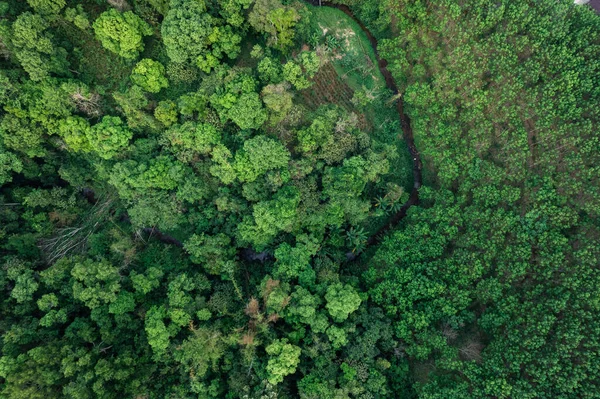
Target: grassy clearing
<point x="354" y="58"/>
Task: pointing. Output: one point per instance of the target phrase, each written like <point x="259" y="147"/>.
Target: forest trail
<point x="404" y="121"/>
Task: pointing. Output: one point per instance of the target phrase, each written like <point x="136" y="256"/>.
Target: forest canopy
<point x="288" y="199"/>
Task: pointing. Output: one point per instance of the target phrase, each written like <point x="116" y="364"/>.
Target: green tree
<point x="198" y="137"/>
<point x="215" y="253"/>
<point x="248" y="111"/>
<point x="23" y="136"/>
<point x="283" y="360"/>
<point x="341" y="301"/>
<point x="319" y="134"/>
<point x="269" y="70"/>
<point x="291" y="261"/>
<point x="303" y="306"/>
<point x="276" y="20"/>
<point x="95" y="283"/>
<point x="278" y="100"/>
<point x="192" y="103"/>
<point x="258" y="156"/>
<point x="190" y="32"/>
<point x="22" y="373"/>
<point x="134" y="104"/>
<point x="162" y="6"/>
<point x="202" y="350"/>
<point x="34" y="48"/>
<point x="47" y="7"/>
<point x="109" y="137"/>
<point x="156" y="209"/>
<point x="78" y="17"/>
<point x="270" y="217"/>
<point x="121" y="33"/>
<point x="149" y="75"/>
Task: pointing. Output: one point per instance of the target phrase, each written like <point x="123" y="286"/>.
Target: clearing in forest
<point x="352" y="79"/>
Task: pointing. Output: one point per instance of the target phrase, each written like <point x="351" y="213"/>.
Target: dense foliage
<point x="192" y="193"/>
<point x="495" y="275"/>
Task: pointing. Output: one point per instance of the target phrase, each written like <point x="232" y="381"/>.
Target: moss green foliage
<point x="205" y="199"/>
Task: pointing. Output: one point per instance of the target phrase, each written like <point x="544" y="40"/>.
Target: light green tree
<point x="78" y="17"/>
<point x="193" y="35"/>
<point x="258" y="156"/>
<point x="95" y="282"/>
<point x="276" y="20"/>
<point x="310" y="62"/>
<point x="284" y="358"/>
<point x="47" y="7"/>
<point x="341" y="301"/>
<point x="248" y="111"/>
<point x="121" y="33"/>
<point x="109" y="137"/>
<point x="9" y="163"/>
<point x="292" y="72"/>
<point x="33" y="46"/>
<point x="166" y="112"/>
<point x="149" y="75"/>
<point x="156" y="331"/>
<point x="75" y="131"/>
<point x="337" y="336"/>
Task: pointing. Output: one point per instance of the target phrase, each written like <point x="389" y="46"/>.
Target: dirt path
<point x="404" y="121"/>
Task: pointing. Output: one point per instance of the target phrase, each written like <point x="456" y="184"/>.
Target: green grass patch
<point x="353" y="57"/>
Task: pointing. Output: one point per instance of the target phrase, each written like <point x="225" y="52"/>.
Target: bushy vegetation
<point x="192" y="193"/>
<point x="492" y="274"/>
